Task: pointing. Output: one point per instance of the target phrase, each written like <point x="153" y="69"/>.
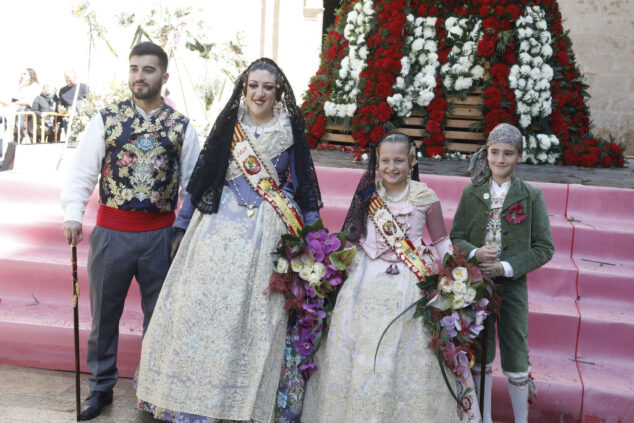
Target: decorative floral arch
<point x="384" y="59"/>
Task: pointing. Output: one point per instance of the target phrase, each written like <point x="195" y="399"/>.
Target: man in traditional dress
<point x="140" y="150"/>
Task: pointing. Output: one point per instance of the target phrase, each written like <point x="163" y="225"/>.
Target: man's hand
<point x="72" y="232"/>
<point x="176" y="242"/>
<point x="486" y="254"/>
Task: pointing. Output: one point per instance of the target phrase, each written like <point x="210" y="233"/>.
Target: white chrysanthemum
<point x="431" y="46"/>
<point x="525" y="121"/>
<point x="524" y="46"/>
<point x="525" y="58"/>
<point x="463" y="83"/>
<point x="478" y="72"/>
<point x="542" y="157"/>
<point x="547" y="71"/>
<point x="544" y="141"/>
<point x="521" y="83"/>
<point x="456" y="32"/>
<point x="418" y="44"/>
<point x="429" y="32"/>
<point x="451" y="22"/>
<point x="547" y="51"/>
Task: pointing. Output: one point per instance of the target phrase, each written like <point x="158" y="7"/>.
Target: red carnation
<point x="484" y="11"/>
<point x="434" y="150"/>
<point x="620" y="161"/>
<point x="319" y="128"/>
<point x="514" y="11"/>
<point x="376" y="133"/>
<point x="433" y="127"/>
<point x="433" y="11"/>
<point x="422" y="10"/>
<point x="486" y="47"/>
<point x="606" y="161"/>
<point x="438" y="103"/>
<point x="492" y="97"/>
<point x="443" y="56"/>
<point x="614" y="148"/>
<point x="571" y="158"/>
<point x="499" y="72"/>
<point x="499" y="11"/>
<point x="383" y="112"/>
<point x="383" y="90"/>
<point x="437" y="115"/>
<point x="589" y="160"/>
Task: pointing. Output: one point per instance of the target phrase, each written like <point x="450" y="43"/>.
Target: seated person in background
<point x="47" y="101"/>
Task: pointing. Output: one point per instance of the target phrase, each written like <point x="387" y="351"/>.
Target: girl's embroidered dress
<point x="214" y="348"/>
<point x="407" y="384"/>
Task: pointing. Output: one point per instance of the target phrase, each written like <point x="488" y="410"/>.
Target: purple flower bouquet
<point x="309" y="271"/>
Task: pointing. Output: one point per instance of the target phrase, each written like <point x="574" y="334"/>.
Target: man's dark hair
<point x="146" y="48"/>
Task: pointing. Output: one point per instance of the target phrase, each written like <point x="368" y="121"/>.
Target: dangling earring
<point x="243" y="101"/>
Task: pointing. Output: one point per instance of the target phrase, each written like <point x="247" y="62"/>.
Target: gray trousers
<point x="115" y="257"/>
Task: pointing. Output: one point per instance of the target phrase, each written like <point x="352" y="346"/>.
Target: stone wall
<point x="602" y="33"/>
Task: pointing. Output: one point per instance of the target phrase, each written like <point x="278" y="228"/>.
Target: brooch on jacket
<point x="515" y="214"/>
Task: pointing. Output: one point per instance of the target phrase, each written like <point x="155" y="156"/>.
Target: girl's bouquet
<point x="453" y="306"/>
<point x="309" y="271"/>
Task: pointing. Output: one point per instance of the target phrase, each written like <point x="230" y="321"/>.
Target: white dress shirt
<point x="86" y="168"/>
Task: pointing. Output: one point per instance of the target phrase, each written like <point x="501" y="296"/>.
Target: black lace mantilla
<point x="208" y="177"/>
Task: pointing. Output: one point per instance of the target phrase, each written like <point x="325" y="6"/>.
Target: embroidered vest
<point x="141" y="167"/>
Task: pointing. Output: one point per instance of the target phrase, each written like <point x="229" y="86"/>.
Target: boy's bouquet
<point x="309" y="271"/>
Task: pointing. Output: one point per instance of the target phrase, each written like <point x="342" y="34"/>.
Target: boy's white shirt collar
<point x="500" y="189"/>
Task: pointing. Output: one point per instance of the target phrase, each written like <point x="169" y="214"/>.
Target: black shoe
<point x="93" y="405"/>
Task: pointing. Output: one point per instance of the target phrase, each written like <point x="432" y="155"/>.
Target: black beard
<point x="152" y="91"/>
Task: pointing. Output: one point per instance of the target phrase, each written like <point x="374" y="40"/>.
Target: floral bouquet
<point x="309" y="271"/>
<point x="453" y="306"/>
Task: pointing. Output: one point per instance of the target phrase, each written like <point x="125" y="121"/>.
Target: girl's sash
<point x="396" y="238"/>
<point x="258" y="175"/>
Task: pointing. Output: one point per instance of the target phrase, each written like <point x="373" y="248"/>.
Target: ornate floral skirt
<point x="215" y="344"/>
<point x="407" y="384"/>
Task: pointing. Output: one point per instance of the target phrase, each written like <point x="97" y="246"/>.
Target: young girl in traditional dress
<point x="407" y="383"/>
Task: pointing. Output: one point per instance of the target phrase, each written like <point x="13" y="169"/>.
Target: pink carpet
<point x="581" y="303"/>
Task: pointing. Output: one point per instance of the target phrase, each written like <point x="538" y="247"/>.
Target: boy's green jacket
<point x="526" y="245"/>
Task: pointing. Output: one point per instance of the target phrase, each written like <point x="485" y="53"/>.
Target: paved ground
<point x="35" y="396"/>
<point x="612" y="177"/>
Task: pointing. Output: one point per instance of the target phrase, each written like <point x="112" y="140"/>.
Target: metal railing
<point x="56" y="127"/>
<point x="26" y="115"/>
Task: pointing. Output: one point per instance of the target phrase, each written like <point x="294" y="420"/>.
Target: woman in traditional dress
<point x="214" y="348"/>
<point x="407" y="383"/>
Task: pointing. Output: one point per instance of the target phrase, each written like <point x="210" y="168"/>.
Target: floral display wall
<point x="386" y="59"/>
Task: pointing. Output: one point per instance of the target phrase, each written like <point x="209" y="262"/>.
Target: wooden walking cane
<point x="76" y="329"/>
<point x="483" y="365"/>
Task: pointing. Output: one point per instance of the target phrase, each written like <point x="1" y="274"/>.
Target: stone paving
<point x="30" y="395"/>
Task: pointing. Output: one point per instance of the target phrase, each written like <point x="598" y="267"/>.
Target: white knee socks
<point x="488" y="384"/>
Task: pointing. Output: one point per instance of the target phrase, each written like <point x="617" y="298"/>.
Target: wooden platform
<point x="464" y="126"/>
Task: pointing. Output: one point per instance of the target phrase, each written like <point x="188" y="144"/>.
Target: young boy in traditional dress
<point x="503" y="221"/>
